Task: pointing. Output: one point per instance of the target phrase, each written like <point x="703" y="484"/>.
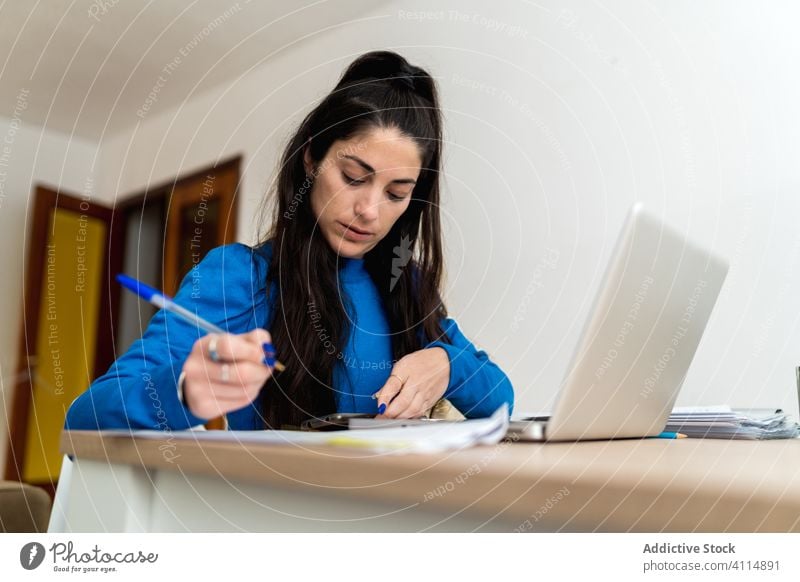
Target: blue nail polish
<point x="269" y="354"/>
<point x="382" y="408"/>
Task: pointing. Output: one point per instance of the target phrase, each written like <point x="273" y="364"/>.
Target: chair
<point x="23" y="508"/>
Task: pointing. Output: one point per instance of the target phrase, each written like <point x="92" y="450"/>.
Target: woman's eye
<point x="351" y="181"/>
<point x="356" y="182"/>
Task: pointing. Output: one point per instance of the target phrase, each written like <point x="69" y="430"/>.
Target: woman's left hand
<point x="417" y="382"/>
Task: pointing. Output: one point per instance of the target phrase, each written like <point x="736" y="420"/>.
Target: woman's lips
<point x="351" y="233"/>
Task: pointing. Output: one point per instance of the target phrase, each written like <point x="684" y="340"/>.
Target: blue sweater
<point x="228" y="288"/>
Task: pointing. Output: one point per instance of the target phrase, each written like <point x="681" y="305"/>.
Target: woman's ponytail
<point x="391" y="69"/>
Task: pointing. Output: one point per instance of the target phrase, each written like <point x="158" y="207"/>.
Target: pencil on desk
<point x="670" y="435"/>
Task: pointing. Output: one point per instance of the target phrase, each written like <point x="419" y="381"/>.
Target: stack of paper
<point x="722" y="422"/>
<point x="427" y="438"/>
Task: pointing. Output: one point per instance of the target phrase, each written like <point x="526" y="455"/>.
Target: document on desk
<point x="726" y="423"/>
<point x="429" y="438"/>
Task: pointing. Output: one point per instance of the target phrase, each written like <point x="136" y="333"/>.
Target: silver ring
<point x="212" y="349"/>
<point x="225" y="372"/>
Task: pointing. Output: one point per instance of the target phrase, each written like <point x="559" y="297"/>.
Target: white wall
<point x="32" y="156"/>
<point x="559" y="116"/>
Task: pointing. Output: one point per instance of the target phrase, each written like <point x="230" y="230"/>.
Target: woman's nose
<point x="366" y="206"/>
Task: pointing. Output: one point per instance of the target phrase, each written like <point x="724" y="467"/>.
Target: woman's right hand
<point x="211" y="389"/>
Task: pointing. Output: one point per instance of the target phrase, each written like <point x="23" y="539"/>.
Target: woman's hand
<point x="213" y="388"/>
<point x="417" y="382"/>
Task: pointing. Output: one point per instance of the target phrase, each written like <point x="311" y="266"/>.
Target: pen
<point x="164" y="302"/>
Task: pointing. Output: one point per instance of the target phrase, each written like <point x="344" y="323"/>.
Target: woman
<point x="358" y="323"/>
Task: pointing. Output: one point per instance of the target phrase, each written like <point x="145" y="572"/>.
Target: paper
<point x="430" y="438"/>
<point x="723" y="422"/>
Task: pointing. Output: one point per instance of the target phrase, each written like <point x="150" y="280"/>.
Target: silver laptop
<point x="639" y="339"/>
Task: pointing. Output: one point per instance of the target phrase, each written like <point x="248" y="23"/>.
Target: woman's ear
<point x="307" y="163"/>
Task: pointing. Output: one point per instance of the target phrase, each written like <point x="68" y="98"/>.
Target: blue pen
<point x="164" y="302"/>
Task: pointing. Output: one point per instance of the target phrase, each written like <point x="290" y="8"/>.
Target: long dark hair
<point x="378" y="90"/>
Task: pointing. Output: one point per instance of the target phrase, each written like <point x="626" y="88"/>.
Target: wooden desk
<point x="127" y="484"/>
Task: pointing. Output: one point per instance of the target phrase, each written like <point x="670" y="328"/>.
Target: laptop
<point x="639" y="339"/>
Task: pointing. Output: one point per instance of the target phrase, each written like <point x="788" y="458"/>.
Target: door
<point x="201" y="215"/>
<point x="66" y="336"/>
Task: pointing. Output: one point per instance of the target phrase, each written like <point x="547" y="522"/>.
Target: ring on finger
<point x="399" y="378"/>
<point x="212" y="349"/>
<point x="225" y="372"/>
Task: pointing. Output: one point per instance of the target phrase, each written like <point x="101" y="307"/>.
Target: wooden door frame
<point x="162" y="189"/>
<point x="226" y="232"/>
